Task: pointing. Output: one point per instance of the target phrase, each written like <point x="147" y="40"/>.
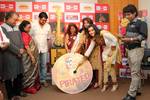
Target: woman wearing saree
<point x="70" y="36"/>
<point x="30" y="60"/>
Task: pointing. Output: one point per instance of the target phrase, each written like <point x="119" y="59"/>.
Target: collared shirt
<point x="3" y="38"/>
<point x="41" y="35"/>
<point x="138" y="29"/>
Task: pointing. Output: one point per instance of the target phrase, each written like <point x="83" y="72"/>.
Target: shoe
<point x="104" y="88"/>
<point x="95" y="86"/>
<point x="128" y="97"/>
<point x="37" y="87"/>
<point x="45" y="84"/>
<point x="31" y="90"/>
<point x="138" y="94"/>
<point x="114" y="88"/>
<point x="16" y="98"/>
<point x="23" y="94"/>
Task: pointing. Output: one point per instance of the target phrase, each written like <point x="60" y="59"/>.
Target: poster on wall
<point x="54" y="6"/>
<point x="87" y="8"/>
<point x="7" y="0"/>
<point x="53" y="17"/>
<point x="67" y="12"/>
<point x="40" y="6"/>
<point x="102" y="17"/>
<point x="91" y="1"/>
<point x="25" y="15"/>
<point x="104" y="26"/>
<point x="7" y="6"/>
<point x="101" y="8"/>
<point x="24" y="6"/>
<point x="72" y="17"/>
<point x="72" y="7"/>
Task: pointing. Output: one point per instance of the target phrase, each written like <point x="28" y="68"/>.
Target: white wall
<point x="145" y="4"/>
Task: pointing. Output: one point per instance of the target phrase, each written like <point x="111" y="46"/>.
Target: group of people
<point x="101" y="48"/>
<point x="24" y="51"/>
<point x="23" y="55"/>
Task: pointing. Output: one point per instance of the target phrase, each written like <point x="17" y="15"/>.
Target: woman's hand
<point x="68" y="51"/>
<point x="4" y="45"/>
<point x="33" y="60"/>
<point x="80" y="63"/>
<point x="110" y="54"/>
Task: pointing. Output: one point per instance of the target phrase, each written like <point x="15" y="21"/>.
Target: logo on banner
<point x="24" y="6"/>
<point x="104" y="26"/>
<point x="72" y="17"/>
<point x="40" y="6"/>
<point x="55" y="6"/>
<point x="7" y="6"/>
<point x="25" y="16"/>
<point x="72" y="7"/>
<point x="101" y="8"/>
<point x="53" y="17"/>
<point x="87" y="8"/>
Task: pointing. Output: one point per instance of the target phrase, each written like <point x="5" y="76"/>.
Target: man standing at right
<point x="136" y="32"/>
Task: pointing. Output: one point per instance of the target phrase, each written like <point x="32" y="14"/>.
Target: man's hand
<point x="4" y="45"/>
<point x="1" y="96"/>
<point x="127" y="40"/>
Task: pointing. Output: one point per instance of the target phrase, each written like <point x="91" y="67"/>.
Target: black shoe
<point x="16" y="98"/>
<point x="128" y="97"/>
<point x="23" y="94"/>
<point x="138" y="94"/>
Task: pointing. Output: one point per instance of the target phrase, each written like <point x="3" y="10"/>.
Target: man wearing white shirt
<point x="4" y="41"/>
<point x="40" y="32"/>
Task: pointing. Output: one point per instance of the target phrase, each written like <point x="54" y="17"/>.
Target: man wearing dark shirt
<point x="13" y="68"/>
<point x="136" y="32"/>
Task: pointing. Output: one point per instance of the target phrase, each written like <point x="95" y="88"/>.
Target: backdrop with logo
<point x="68" y="12"/>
